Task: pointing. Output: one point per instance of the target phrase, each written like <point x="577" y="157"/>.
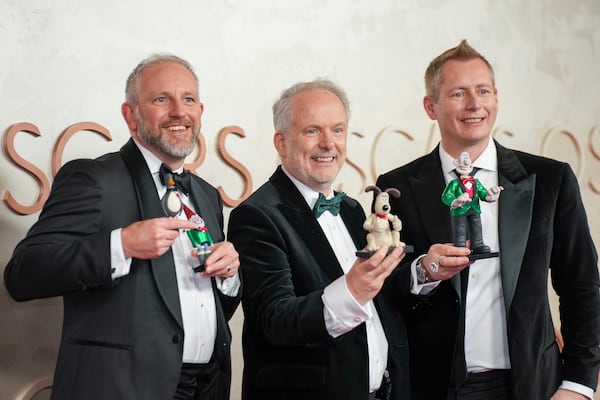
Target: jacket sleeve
<point x="66" y="250"/>
<point x="271" y="303"/>
<point x="574" y="271"/>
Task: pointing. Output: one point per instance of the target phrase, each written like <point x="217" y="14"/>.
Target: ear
<point x="429" y="106"/>
<point x="279" y="142"/>
<point x="373" y="188"/>
<point x="393" y="191"/>
<point x="129" y="116"/>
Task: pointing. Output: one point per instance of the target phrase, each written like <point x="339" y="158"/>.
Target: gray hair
<point x="282" y="115"/>
<point x="131" y="89"/>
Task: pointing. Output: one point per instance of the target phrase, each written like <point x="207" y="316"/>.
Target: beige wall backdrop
<point x="65" y="62"/>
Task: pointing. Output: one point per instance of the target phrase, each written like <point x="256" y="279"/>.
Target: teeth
<point x="323" y="159"/>
<point x="471" y="120"/>
<point x="177" y="128"/>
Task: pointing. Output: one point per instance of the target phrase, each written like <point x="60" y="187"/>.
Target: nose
<point x="473" y="101"/>
<point x="177" y="109"/>
<point x="327" y="139"/>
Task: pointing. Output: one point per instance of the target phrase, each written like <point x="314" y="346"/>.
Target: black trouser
<point x="385" y="390"/>
<point x="197" y="382"/>
<point x="472" y="220"/>
<point x="488" y="385"/>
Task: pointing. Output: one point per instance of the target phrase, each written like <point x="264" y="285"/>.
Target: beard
<point x="154" y="138"/>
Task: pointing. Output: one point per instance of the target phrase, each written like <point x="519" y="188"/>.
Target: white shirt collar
<point x="488" y="160"/>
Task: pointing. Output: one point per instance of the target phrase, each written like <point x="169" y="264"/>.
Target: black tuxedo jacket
<point x="121" y="339"/>
<point x="287" y="262"/>
<point x="542" y="229"/>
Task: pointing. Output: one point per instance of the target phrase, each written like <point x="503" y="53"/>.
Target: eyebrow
<point x="463" y="87"/>
<point x="169" y="93"/>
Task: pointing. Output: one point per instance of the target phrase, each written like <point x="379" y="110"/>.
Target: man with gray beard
<point x="139" y="321"/>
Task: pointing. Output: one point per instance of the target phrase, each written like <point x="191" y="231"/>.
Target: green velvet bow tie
<point x="332" y="205"/>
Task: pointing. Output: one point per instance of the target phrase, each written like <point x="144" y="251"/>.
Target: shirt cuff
<point x="578" y="388"/>
<point x="341" y="310"/>
<point x="119" y="265"/>
<point x="229" y="286"/>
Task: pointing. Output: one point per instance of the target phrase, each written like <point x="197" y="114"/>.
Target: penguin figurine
<point x="170" y="202"/>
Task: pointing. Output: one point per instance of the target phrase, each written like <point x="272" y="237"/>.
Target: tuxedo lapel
<point x="434" y="214"/>
<point x="354" y="219"/>
<point x="296" y="211"/>
<point x="163" y="267"/>
<point x="515" y="209"/>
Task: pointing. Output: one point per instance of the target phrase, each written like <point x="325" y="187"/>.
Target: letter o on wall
<point x="36" y="390"/>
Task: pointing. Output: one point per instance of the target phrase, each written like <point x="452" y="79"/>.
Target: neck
<point x="172" y="162"/>
<point x="173" y="165"/>
<point x="455" y="149"/>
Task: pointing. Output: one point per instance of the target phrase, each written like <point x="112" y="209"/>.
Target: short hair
<point x="131" y="85"/>
<point x="462" y="52"/>
<point x="282" y="117"/>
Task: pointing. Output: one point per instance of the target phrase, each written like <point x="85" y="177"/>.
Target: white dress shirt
<point x="486" y="340"/>
<point x="342" y="312"/>
<point x="196" y="296"/>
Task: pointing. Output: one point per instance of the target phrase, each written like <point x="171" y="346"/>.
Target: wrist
<point x="422" y="272"/>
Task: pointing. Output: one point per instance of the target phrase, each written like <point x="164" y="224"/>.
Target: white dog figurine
<point x="378" y="224"/>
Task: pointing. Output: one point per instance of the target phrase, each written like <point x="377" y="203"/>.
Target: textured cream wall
<point x="66" y="62"/>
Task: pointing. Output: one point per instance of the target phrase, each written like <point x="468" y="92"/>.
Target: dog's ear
<point x="373" y="188"/>
<point x="393" y="191"/>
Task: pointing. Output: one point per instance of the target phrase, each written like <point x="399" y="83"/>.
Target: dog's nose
<point x="386" y="208"/>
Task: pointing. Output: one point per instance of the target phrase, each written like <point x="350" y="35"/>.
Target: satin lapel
<point x="434" y="214"/>
<point x="354" y="218"/>
<point x="515" y="210"/>
<point x="206" y="210"/>
<point x="301" y="219"/>
<point x="163" y="267"/>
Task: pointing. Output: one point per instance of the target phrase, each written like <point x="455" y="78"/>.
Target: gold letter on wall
<point x="235" y="164"/>
<point x="38" y="175"/>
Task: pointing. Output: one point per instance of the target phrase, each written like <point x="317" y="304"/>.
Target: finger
<point x="455" y="251"/>
<point x="223" y="252"/>
<point x="224" y="271"/>
<point x="176" y="224"/>
<point x="393" y="259"/>
<point x="453" y="261"/>
<point x="220" y="264"/>
<point x="389" y="263"/>
<point x="225" y="267"/>
<point x="378" y="256"/>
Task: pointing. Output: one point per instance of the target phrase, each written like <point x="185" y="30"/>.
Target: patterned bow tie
<point x="332" y="205"/>
<point x="173" y="180"/>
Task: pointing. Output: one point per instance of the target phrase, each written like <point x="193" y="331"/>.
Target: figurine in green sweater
<point x="462" y="195"/>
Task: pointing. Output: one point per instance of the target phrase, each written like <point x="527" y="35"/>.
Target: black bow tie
<point x="332" y="205"/>
<point x="173" y="180"/>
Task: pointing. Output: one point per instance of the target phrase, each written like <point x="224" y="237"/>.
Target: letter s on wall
<point x="35" y="172"/>
<point x="239" y="167"/>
